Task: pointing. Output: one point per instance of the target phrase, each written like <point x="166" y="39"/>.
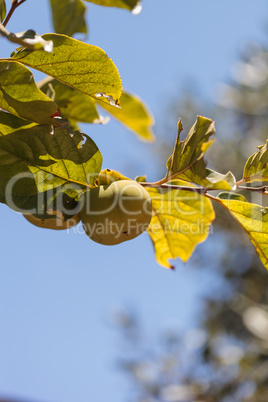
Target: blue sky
<point x="57" y="289"/>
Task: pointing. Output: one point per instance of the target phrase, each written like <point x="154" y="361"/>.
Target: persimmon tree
<point x="49" y="168"/>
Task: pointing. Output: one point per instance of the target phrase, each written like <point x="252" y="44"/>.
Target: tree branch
<point x="15" y="4"/>
<point x="238" y="183"/>
<point x="260" y="189"/>
<point x="200" y="190"/>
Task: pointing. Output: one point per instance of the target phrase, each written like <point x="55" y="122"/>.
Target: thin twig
<point x="260" y="189"/>
<point x="200" y="190"/>
<point x="15" y="4"/>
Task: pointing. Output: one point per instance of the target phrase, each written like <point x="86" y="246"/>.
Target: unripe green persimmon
<point x="54" y="223"/>
<point x="56" y="213"/>
<point x="114" y="213"/>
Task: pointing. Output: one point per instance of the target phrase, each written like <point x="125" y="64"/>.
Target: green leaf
<point x="181" y="220"/>
<point x="252" y="218"/>
<point x="187" y="162"/>
<point x="140" y="179"/>
<point x="2" y="10"/>
<point x="20" y="96"/>
<point x="68" y="16"/>
<point x="217" y="181"/>
<point x="74" y="105"/>
<point x="78" y="107"/>
<point x="77" y="64"/>
<point x="10" y="123"/>
<point x="35" y="161"/>
<point x="128" y="4"/>
<point x="256" y="168"/>
<point x="233" y="196"/>
<point x="28" y="39"/>
<point x="133" y="114"/>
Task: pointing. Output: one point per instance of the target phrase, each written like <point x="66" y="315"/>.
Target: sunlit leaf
<point x="187" y="161"/>
<point x="20" y="96"/>
<point x="128" y="4"/>
<point x="252" y="218"/>
<point x="181" y="220"/>
<point x="78" y="107"/>
<point x="28" y="39"/>
<point x="10" y="123"/>
<point x="34" y="160"/>
<point x="216" y="181"/>
<point x="2" y="10"/>
<point x="82" y="66"/>
<point x="256" y="168"/>
<point x="140" y="179"/>
<point x="134" y="115"/>
<point x="68" y="16"/>
<point x="74" y="105"/>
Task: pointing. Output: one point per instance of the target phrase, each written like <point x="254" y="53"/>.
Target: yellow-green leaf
<point x="74" y="105"/>
<point x="134" y="115"/>
<point x="20" y="96"/>
<point x="181" y="220"/>
<point x="214" y="180"/>
<point x="77" y="64"/>
<point x="187" y="152"/>
<point x="128" y="4"/>
<point x="187" y="162"/>
<point x="2" y="10"/>
<point x="256" y="168"/>
<point x="68" y="16"/>
<point x="35" y="160"/>
<point x="252" y="218"/>
<point x="79" y="107"/>
<point x="10" y="123"/>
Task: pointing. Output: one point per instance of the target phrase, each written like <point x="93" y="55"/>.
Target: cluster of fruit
<point x="110" y="214"/>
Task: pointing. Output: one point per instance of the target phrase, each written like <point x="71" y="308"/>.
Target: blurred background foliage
<point x="224" y="355"/>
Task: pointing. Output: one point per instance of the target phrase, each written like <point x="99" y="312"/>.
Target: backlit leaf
<point x="77" y="64"/>
<point x="128" y="4"/>
<point x="140" y="179"/>
<point x="34" y="160"/>
<point x="78" y="107"/>
<point x="256" y="168"/>
<point x="181" y="220"/>
<point x="28" y="39"/>
<point x="252" y="218"/>
<point x="133" y="114"/>
<point x="20" y="96"/>
<point x="215" y="180"/>
<point x="74" y="105"/>
<point x="10" y="123"/>
<point x="68" y="16"/>
<point x="2" y="10"/>
<point x="187" y="162"/>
